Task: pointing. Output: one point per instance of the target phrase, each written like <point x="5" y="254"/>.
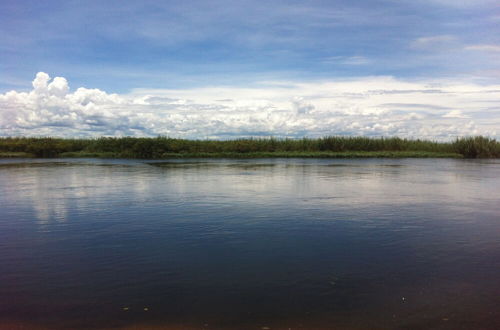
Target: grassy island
<point x="327" y="147"/>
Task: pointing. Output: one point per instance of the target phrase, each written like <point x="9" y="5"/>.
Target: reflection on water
<point x="250" y="243"/>
<point x="52" y="188"/>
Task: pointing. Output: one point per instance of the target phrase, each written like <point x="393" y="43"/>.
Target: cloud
<point x="41" y="81"/>
<point x="370" y="106"/>
<point x="463" y="3"/>
<point x="439" y="42"/>
<point x="347" y="60"/>
<point x="484" y="48"/>
<point x="455" y="114"/>
<point x="301" y="106"/>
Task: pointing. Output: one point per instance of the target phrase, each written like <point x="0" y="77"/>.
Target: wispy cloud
<point x="484" y="48"/>
<point x="438" y="42"/>
<point x="463" y="3"/>
<point x="347" y="60"/>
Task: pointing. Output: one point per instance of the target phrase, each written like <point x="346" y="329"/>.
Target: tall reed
<point x="131" y="147"/>
<point x="477" y="147"/>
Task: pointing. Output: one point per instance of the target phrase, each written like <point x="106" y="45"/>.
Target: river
<point x="250" y="244"/>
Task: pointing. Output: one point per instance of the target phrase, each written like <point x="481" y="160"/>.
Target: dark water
<point x="312" y="244"/>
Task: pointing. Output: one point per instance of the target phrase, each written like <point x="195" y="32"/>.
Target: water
<point x="214" y="244"/>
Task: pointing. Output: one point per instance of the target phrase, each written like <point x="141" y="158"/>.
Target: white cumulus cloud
<point x="371" y="106"/>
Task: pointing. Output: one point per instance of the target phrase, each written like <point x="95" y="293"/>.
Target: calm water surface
<point x="213" y="244"/>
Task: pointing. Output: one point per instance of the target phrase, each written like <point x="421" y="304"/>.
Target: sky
<point x="227" y="69"/>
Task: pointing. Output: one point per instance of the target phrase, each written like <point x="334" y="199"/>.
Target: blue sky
<point x="130" y="47"/>
<point x="120" y="45"/>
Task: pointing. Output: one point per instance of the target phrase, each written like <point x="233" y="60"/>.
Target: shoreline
<point x="250" y="155"/>
<point x="171" y="148"/>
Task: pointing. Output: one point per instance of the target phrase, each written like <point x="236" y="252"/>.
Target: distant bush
<point x="477" y="147"/>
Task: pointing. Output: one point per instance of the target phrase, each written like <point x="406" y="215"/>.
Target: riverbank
<point x="327" y="147"/>
<point x="250" y="155"/>
<point x="283" y="154"/>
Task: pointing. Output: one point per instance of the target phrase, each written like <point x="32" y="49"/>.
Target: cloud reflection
<point x="56" y="192"/>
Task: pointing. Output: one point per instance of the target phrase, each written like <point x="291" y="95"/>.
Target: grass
<point x="327" y="147"/>
<point x="478" y="147"/>
<point x="7" y="154"/>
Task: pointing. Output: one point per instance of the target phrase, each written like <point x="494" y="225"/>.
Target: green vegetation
<point x="15" y="154"/>
<point x="477" y="147"/>
<point x="327" y="147"/>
